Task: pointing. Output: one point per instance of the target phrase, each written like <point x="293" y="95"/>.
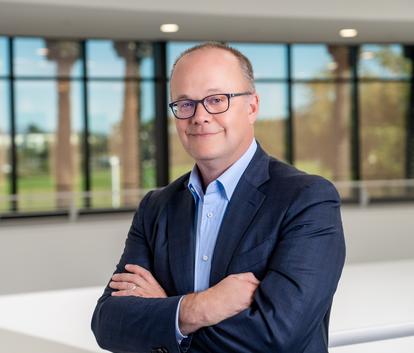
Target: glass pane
<point x="4" y="56"/>
<point x="322" y="129"/>
<point x="270" y="126"/>
<point x="43" y="57"/>
<point x="310" y="61"/>
<point x="147" y="139"/>
<point x="174" y="49"/>
<point x="5" y="165"/>
<point x="268" y="60"/>
<point x="116" y="151"/>
<point x="119" y="59"/>
<point x="384" y="61"/>
<point x="49" y="124"/>
<point x="383" y="135"/>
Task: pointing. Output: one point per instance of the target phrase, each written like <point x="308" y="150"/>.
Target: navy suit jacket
<point x="281" y="224"/>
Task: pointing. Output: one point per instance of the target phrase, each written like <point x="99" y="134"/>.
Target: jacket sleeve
<point x="134" y="324"/>
<point x="297" y="290"/>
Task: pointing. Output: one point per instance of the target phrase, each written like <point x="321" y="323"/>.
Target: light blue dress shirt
<point x="210" y="208"/>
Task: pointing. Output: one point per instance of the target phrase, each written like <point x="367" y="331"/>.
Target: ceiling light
<point x="169" y="28"/>
<point x="348" y="33"/>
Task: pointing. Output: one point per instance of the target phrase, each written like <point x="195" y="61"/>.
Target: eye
<point x="216" y="100"/>
<point x="183" y="105"/>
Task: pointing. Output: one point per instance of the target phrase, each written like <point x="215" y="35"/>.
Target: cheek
<point x="181" y="126"/>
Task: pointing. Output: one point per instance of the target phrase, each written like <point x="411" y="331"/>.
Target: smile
<point x="204" y="134"/>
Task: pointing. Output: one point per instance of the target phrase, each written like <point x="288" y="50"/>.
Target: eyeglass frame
<point x="202" y="101"/>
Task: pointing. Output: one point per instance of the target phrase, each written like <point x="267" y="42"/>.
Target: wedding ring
<point x="134" y="287"/>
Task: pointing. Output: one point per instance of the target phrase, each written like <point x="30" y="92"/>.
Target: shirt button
<point x="205" y="257"/>
<point x="210" y="214"/>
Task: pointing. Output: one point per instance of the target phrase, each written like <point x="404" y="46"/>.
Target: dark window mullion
<point x="13" y="149"/>
<point x="86" y="148"/>
<point x="355" y="115"/>
<point x="289" y="141"/>
<point x="161" y="115"/>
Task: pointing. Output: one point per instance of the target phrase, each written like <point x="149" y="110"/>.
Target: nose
<point x="201" y="115"/>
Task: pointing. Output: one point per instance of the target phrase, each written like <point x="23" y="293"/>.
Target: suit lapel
<point x="240" y="212"/>
<point x="181" y="240"/>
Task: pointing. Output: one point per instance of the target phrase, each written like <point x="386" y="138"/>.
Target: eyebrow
<point x="210" y="90"/>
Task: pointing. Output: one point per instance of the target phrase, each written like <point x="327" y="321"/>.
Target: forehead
<point x="205" y="69"/>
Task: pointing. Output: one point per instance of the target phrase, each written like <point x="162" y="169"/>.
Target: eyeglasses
<point x="213" y="104"/>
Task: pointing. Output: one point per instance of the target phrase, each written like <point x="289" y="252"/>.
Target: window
<point x="322" y="110"/>
<point x="121" y="119"/>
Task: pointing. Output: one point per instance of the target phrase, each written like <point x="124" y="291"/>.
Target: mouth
<point x="203" y="134"/>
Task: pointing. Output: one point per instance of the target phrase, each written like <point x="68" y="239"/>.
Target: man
<point x="244" y="253"/>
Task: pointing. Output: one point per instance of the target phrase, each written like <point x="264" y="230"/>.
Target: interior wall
<point x="56" y="254"/>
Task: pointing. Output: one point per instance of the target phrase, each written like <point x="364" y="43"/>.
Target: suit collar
<point x="241" y="210"/>
<point x="181" y="240"/>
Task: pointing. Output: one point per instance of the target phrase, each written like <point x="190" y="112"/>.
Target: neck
<point x="210" y="170"/>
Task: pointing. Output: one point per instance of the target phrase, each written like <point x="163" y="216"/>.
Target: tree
<point x="65" y="54"/>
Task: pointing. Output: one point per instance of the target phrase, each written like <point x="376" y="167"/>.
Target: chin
<point x="204" y="155"/>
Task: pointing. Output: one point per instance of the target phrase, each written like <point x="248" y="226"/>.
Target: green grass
<point x="44" y="185"/>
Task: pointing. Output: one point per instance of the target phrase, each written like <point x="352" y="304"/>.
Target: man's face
<point x="223" y="137"/>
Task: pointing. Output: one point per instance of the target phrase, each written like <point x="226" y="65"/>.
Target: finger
<point x="126" y="293"/>
<point x="249" y="276"/>
<point x="143" y="272"/>
<point x="122" y="285"/>
<point x="125" y="277"/>
<point x="135" y="280"/>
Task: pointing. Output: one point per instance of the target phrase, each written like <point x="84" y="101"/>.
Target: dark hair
<point x="245" y="64"/>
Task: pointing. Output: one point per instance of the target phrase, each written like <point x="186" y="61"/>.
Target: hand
<point x="227" y="298"/>
<point x="138" y="282"/>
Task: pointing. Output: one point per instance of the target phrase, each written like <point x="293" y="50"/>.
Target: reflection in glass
<point x="47" y="58"/>
<point x="147" y="142"/>
<point x="114" y="59"/>
<point x="116" y="152"/>
<point x="4" y="56"/>
<point x="5" y="165"/>
<point x="322" y="111"/>
<point x="270" y="126"/>
<point x="268" y="60"/>
<point x="383" y="114"/>
<point x="383" y="61"/>
<point x="317" y="61"/>
<point x="322" y="129"/>
<point x="49" y="121"/>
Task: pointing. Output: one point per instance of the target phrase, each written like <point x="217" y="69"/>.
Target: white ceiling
<point x="231" y="20"/>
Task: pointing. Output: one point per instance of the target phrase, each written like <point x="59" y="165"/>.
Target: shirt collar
<point x="229" y="179"/>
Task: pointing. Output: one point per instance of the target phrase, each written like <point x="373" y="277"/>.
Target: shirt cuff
<point x="178" y="335"/>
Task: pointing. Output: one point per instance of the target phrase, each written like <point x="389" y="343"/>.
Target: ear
<point x="253" y="107"/>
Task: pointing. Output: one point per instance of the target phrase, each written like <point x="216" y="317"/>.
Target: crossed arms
<point x="279" y="314"/>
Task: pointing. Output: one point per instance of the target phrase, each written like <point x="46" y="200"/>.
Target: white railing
<point x="73" y="202"/>
<point x="362" y="191"/>
<point x="366" y="190"/>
